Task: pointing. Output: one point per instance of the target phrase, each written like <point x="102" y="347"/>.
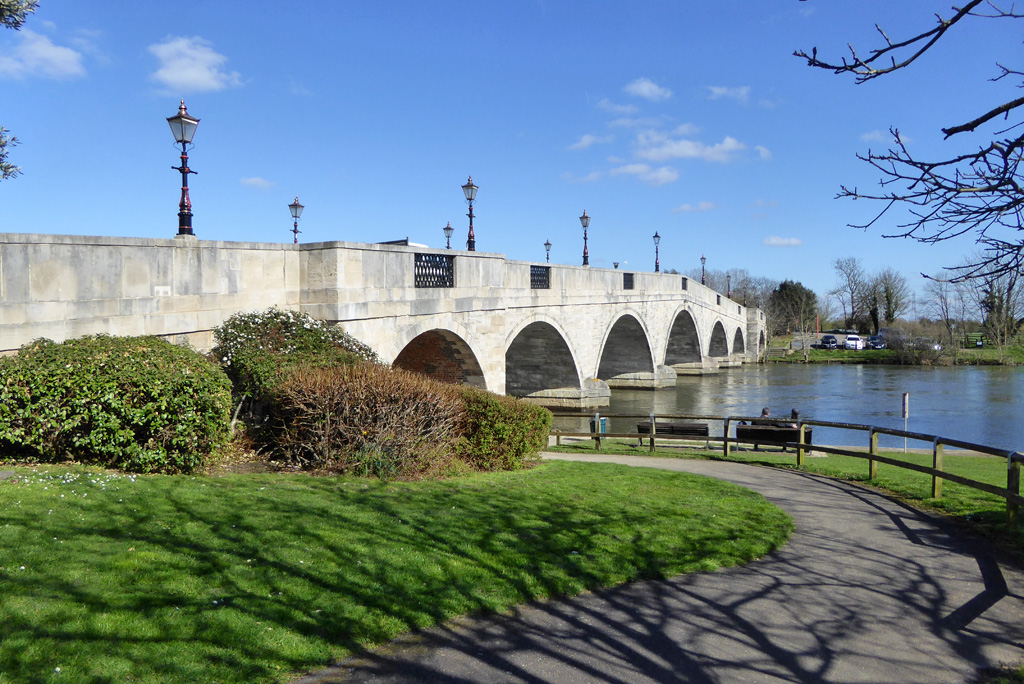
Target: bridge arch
<point x="538" y="358"/>
<point x="719" y="345"/>
<point x="443" y="355"/>
<point x="683" y="340"/>
<point x="626" y="348"/>
<point x="737" y="342"/>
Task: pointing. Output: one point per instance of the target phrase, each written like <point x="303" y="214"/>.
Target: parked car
<point x="853" y="342"/>
<point x="829" y="342"/>
<point x="876" y="342"/>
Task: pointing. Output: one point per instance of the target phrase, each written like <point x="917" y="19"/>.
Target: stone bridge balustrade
<point x="496" y="325"/>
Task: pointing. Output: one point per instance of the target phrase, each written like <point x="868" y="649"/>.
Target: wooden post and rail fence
<point x="800" y="429"/>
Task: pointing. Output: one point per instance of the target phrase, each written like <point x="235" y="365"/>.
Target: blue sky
<point x="690" y="119"/>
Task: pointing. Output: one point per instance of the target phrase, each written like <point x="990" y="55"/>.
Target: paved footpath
<point x="867" y="590"/>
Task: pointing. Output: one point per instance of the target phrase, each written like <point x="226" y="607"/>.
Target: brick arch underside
<point x="683" y="341"/>
<point x="626" y="350"/>
<point x="737" y="342"/>
<point x="444" y="356"/>
<point x="719" y="343"/>
<point x="539" y="359"/>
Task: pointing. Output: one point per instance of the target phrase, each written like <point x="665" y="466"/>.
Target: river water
<point x="984" y="405"/>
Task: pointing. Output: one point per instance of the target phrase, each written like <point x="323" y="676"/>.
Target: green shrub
<point x="364" y="418"/>
<point x="253" y="346"/>
<point x="500" y="432"/>
<point x="137" y="403"/>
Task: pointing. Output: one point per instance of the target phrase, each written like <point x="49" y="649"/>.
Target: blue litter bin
<point x="604" y="426"/>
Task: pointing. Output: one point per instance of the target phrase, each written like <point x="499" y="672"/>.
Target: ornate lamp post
<point x="296" y="210"/>
<point x="703" y="260"/>
<point x="470" y="191"/>
<point x="183" y="126"/>
<point x="547" y="248"/>
<point x="728" y="285"/>
<point x="585" y="222"/>
<point x="657" y="262"/>
<point x="448" y="230"/>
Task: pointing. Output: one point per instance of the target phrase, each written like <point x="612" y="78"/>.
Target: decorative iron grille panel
<point x="627" y="281"/>
<point x="435" y="270"/>
<point x="540" y="277"/>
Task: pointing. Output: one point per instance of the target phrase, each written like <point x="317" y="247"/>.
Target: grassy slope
<point x="981" y="512"/>
<point x="249" y="578"/>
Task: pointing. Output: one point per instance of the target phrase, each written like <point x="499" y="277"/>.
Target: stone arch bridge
<point x="560" y="335"/>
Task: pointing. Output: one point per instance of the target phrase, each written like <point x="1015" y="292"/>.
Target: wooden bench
<point x="675" y="429"/>
<point x="776" y="435"/>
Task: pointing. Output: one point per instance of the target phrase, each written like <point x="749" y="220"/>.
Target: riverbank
<point x="1011" y="356"/>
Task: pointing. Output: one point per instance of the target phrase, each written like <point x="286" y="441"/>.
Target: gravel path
<point x="867" y="590"/>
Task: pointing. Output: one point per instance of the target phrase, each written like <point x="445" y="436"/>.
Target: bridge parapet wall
<point x="62" y="287"/>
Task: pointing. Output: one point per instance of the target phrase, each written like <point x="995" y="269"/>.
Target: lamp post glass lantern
<point x="469" y="190"/>
<point x="703" y="260"/>
<point x="448" y="230"/>
<point x="183" y="127"/>
<point x="657" y="241"/>
<point x="296" y="209"/>
<point x="547" y="249"/>
<point x="585" y="222"/>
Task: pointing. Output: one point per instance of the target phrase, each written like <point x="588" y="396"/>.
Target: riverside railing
<point x="1014" y="460"/>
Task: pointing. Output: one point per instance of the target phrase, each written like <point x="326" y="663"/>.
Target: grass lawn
<point x="256" y="578"/>
<point x="978" y="511"/>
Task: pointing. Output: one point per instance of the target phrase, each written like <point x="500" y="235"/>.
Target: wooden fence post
<point x="800" y="448"/>
<point x="937" y="464"/>
<point x="1012" y="484"/>
<point x="873" y="449"/>
<point x="654" y="430"/>
<point x="725" y="442"/>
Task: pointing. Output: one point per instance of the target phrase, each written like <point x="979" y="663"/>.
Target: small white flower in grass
<point x="56" y="669"/>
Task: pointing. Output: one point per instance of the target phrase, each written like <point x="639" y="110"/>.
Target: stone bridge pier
<point x="556" y="335"/>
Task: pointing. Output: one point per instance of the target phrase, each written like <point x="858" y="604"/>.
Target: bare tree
<point x="894" y="292"/>
<point x="947" y="303"/>
<point x="979" y="191"/>
<point x="850" y="288"/>
<point x="12" y="15"/>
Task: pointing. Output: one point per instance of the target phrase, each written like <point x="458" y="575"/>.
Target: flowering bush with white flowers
<point x="254" y="346"/>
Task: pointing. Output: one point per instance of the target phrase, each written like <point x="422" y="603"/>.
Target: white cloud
<point x="660" y="176"/>
<point x="739" y="93"/>
<point x="776" y="241"/>
<point x="700" y="206"/>
<point x="762" y="203"/>
<point x="609" y="106"/>
<point x="587" y="140"/>
<point x="655" y="146"/>
<point x="190" y="64"/>
<point x="36" y="55"/>
<point x="629" y="122"/>
<point x="763" y="152"/>
<point x="589" y="178"/>
<point x="686" y="129"/>
<point x="874" y="136"/>
<point x="257" y="182"/>
<point x="647" y="89"/>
